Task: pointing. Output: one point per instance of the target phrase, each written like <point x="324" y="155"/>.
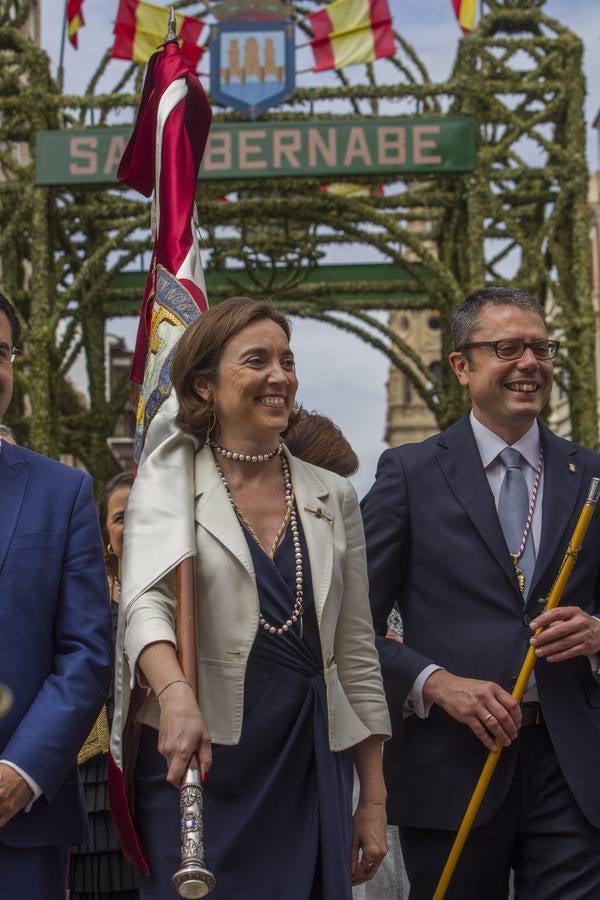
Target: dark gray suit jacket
<point x="436" y="549"/>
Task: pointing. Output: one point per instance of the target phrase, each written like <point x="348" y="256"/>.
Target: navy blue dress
<point x="278" y="805"/>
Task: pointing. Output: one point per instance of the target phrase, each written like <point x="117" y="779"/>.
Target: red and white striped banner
<point x="173" y="118"/>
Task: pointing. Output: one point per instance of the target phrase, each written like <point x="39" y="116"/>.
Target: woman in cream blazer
<point x="282" y="799"/>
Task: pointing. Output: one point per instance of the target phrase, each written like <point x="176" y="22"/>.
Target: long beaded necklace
<point x="291" y="519"/>
<point x="517" y="556"/>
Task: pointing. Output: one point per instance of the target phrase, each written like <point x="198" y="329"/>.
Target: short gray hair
<point x="6" y="432"/>
<point x="466" y="318"/>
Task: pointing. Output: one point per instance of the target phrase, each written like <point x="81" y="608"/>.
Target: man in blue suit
<point x="465" y="534"/>
<point x="55" y="653"/>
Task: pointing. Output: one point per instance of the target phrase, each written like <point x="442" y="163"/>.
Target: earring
<point x="213" y="423"/>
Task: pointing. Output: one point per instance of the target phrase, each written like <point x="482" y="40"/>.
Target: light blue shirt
<point x="490" y="446"/>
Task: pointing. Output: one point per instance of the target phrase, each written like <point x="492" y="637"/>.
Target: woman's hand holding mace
<point x="183" y="732"/>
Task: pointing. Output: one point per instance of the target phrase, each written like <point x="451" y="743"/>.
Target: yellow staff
<point x="491" y="762"/>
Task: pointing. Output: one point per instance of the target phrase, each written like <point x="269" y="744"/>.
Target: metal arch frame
<point x="459" y="229"/>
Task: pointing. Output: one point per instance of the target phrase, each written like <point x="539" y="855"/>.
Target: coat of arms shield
<point x="252" y="64"/>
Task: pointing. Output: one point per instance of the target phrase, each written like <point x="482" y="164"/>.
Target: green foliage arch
<point x="520" y="218"/>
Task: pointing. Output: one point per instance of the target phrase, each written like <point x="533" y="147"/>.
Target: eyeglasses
<point x="8" y="354"/>
<point x="513" y="349"/>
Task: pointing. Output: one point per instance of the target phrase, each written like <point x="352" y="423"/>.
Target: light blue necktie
<point x="513" y="507"/>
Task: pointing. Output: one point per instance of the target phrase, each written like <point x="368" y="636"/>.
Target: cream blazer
<point x="179" y="507"/>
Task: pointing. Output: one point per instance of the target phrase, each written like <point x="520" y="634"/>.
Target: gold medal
<point x="518" y="571"/>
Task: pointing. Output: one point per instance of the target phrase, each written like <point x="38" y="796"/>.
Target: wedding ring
<point x="369" y="867"/>
<point x="487" y="718"/>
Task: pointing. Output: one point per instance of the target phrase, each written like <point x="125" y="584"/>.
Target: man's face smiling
<point x="507" y="395"/>
<point x="6" y="372"/>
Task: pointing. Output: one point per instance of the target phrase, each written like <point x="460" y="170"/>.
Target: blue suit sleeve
<point x="386" y="518"/>
<point x="48" y="738"/>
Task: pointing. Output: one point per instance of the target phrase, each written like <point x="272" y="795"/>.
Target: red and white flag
<point x="162" y="158"/>
<point x="173" y="120"/>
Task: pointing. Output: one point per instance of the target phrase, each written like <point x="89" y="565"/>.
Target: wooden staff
<point x="491" y="762"/>
<point x="192" y="879"/>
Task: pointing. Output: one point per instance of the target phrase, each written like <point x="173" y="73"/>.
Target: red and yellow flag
<point x="74" y="19"/>
<point x="351" y="31"/>
<point x="140" y="29"/>
<point x="465" y="11"/>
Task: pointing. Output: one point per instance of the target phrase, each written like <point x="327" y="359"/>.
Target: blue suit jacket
<point x="55" y="637"/>
<point x="435" y="547"/>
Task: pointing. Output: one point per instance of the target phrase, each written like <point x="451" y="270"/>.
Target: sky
<point x="339" y="375"/>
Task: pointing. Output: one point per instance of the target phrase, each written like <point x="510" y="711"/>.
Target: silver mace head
<point x="171" y="34"/>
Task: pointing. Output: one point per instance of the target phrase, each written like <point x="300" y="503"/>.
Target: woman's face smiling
<point x="256" y="385"/>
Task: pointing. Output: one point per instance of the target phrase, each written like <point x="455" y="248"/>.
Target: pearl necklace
<point x="291" y="517"/>
<point x="247" y="457"/>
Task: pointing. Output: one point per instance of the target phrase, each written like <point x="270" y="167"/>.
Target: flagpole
<point x="61" y="70"/>
<point x="192" y="878"/>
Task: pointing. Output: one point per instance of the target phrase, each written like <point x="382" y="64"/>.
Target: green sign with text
<point x="324" y="148"/>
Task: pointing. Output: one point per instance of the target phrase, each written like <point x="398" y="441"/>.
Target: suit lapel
<point x="561" y="491"/>
<point x="14" y="471"/>
<point x="460" y="461"/>
<point x="317" y="523"/>
<point x="215" y="512"/>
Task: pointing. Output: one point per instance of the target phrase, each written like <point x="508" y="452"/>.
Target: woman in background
<point x="315" y="439"/>
<point x="97" y="870"/>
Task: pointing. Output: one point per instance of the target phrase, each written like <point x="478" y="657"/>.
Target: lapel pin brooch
<point x="572" y="467"/>
<point x="319" y="513"/>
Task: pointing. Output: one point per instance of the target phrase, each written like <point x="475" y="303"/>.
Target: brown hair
<point x="316" y="439"/>
<point x="199" y="351"/>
